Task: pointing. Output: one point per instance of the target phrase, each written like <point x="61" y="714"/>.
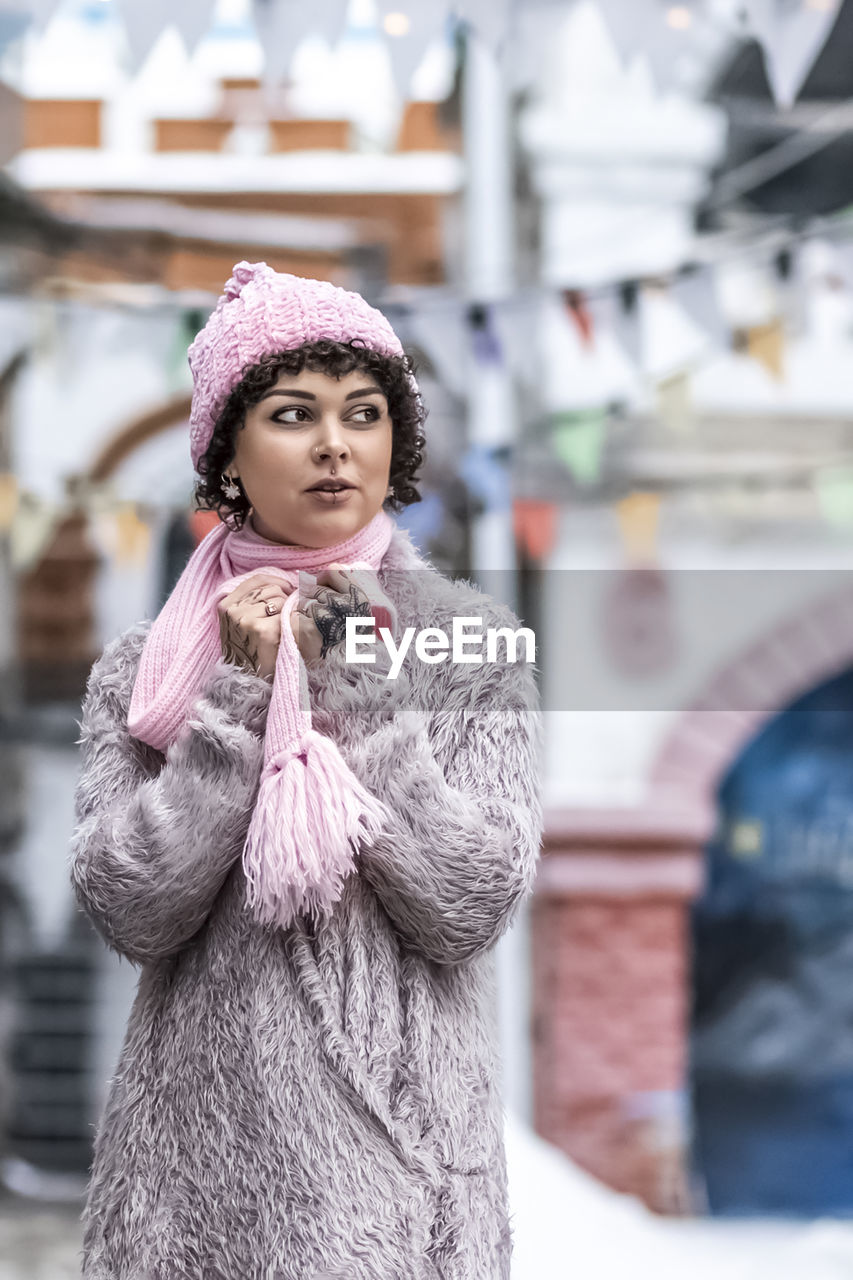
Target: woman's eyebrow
<point x="365" y="391"/>
<point x="308" y="395"/>
<point x="282" y="391"/>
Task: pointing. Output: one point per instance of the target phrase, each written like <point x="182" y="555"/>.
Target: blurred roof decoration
<point x="770" y="64"/>
<point x="791" y="142"/>
<point x="126" y="142"/>
<point x="674" y="38"/>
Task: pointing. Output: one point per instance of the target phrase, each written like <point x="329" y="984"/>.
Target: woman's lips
<point x="331" y="497"/>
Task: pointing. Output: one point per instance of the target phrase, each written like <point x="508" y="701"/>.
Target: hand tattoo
<point x="332" y="611"/>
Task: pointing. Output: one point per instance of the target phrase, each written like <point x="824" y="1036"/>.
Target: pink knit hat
<point x="262" y="312"/>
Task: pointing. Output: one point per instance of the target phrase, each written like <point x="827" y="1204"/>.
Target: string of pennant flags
<point x="122" y="529"/>
<point x="448" y="329"/>
<point x="515" y="332"/>
<point x="791" y="32"/>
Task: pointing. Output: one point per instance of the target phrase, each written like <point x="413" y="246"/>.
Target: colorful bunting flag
<point x="695" y="292"/>
<point x="578" y="437"/>
<point x="489" y="18"/>
<point x="580" y="314"/>
<point x="645" y="28"/>
<point x="328" y="17"/>
<point x="833" y="488"/>
<point x="672" y="343"/>
<point x="484" y="470"/>
<point x="535" y="526"/>
<point x="766" y="344"/>
<point x="14" y="20"/>
<point x="9" y="497"/>
<point x="133" y="535"/>
<point x="484" y="337"/>
<point x="618" y="311"/>
<point x="409" y="30"/>
<point x="532" y="38"/>
<point x="193" y="19"/>
<point x="31" y="531"/>
<point x="514" y="320"/>
<point x="443" y="333"/>
<point x="143" y="26"/>
<point x="42" y="13"/>
<point x="282" y="25"/>
<point x="639" y="518"/>
<point x="792" y="36"/>
<point x="674" y="406"/>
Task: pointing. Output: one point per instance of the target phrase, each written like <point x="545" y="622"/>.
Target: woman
<point x="310" y="861"/>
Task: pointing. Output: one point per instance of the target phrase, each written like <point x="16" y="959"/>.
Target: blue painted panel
<point x="772" y="1026"/>
<point x="776" y="1148"/>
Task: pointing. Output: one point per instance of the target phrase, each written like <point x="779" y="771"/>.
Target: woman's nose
<point x="331" y="447"/>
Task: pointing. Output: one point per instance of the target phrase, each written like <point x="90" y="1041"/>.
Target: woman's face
<point x="304" y="428"/>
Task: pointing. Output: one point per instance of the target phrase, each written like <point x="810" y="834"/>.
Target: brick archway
<point x="135" y="433"/>
<point x="55" y="611"/>
<point x="610" y="931"/>
<point x="804" y="651"/>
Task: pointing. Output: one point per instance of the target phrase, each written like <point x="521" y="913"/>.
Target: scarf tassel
<point x="310" y="816"/>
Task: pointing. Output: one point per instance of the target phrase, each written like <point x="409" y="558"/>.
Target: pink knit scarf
<point x="311" y="810"/>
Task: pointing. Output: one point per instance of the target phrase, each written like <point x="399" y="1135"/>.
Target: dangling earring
<point x="391" y="491"/>
<point x="230" y="488"/>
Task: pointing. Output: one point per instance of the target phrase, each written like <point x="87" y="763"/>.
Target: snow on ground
<point x="568" y="1226"/>
<point x="37" y="1241"/>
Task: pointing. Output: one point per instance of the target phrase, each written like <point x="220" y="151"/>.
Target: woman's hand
<point x="249" y="635"/>
<point x="319" y="620"/>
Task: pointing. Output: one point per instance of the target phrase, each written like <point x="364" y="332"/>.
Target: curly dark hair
<point x="337" y="359"/>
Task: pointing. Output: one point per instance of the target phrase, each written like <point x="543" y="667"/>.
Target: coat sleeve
<point x="461" y="779"/>
<point x="156" y="836"/>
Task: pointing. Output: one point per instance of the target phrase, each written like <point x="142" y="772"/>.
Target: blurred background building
<point x="616" y="235"/>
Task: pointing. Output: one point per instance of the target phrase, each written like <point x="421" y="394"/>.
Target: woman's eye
<point x="371" y="411"/>
<point x="293" y="408"/>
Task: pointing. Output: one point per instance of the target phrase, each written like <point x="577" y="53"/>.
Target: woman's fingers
<point x="337" y="579"/>
<point x="257" y="589"/>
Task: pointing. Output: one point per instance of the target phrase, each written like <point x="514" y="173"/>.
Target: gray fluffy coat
<point x="323" y="1100"/>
